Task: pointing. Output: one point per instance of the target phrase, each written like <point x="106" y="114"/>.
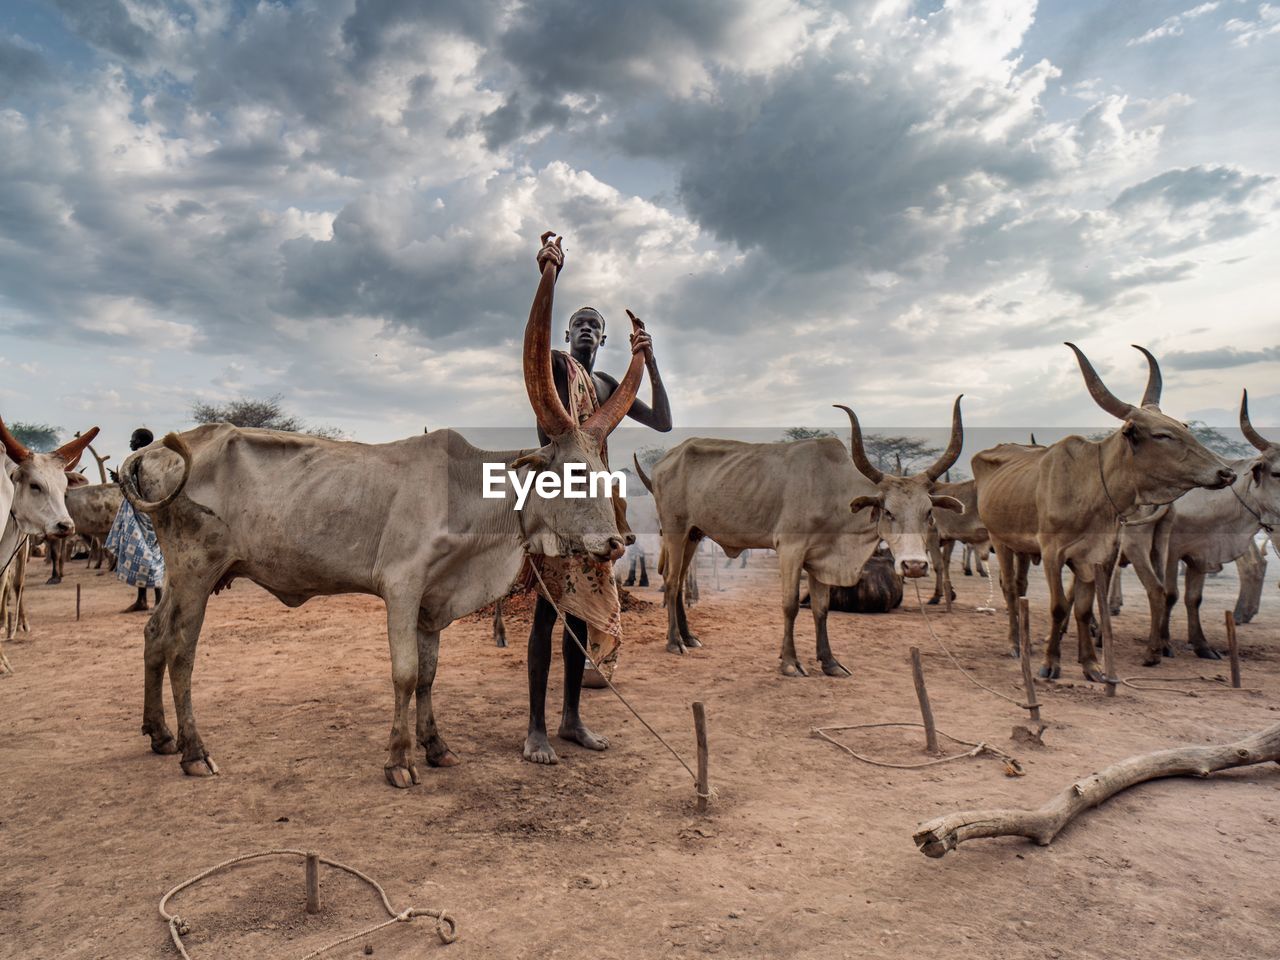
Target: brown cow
<point x="1065" y="503"/>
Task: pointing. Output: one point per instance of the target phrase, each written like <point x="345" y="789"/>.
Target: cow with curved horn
<point x="822" y="510"/>
<point x="1207" y="529"/>
<point x="278" y="509"/>
<point x="1066" y="502"/>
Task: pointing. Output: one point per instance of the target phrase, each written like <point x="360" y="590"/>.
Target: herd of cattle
<point x="305" y="516"/>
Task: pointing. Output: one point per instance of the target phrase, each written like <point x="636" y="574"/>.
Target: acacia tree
<point x="804" y="433"/>
<point x="266" y="414"/>
<point x="40" y="437"/>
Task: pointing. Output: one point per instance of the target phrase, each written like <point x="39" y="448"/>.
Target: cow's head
<point x="556" y="525"/>
<point x="1263" y="482"/>
<point x="902" y="509"/>
<point x="1165" y="457"/>
<point x="40" y="482"/>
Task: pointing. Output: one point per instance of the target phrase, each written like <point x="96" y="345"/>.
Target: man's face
<point x="586" y="332"/>
<point x="138" y="441"/>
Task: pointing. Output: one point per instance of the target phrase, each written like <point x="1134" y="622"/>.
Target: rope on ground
<point x="968" y="676"/>
<point x="1221" y="684"/>
<point x="446" y="927"/>
<point x="1012" y="767"/>
<point x="578" y="643"/>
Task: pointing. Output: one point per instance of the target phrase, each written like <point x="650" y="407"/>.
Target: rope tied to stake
<point x="446" y="928"/>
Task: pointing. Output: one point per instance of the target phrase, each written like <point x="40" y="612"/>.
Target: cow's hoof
<point x="579" y="734"/>
<point x="438" y="755"/>
<point x="834" y="668"/>
<point x="537" y="749"/>
<point x="644" y="581"/>
<point x="1208" y="653"/>
<point x="933" y="601"/>
<point x="1093" y="673"/>
<point x="401" y="777"/>
<point x="53" y="581"/>
<point x="1115" y="611"/>
<point x="968" y="573"/>
<point x="1168" y="650"/>
<point x="676" y="647"/>
<point x="1016" y="653"/>
<point x="793" y="668"/>
<point x="203" y="767"/>
<point x="692" y="642"/>
<point x="1050" y="673"/>
<point x="164" y="745"/>
<point x="1151" y="660"/>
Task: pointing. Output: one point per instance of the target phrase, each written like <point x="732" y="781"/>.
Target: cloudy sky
<point x="875" y="202"/>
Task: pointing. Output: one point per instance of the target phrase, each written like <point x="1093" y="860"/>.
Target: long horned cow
<point x="823" y="512"/>
<point x="304" y="516"/>
<point x="1206" y="529"/>
<point x="1065" y="503"/>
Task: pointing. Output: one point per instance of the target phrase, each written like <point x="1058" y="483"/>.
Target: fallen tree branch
<point x="935" y="837"/>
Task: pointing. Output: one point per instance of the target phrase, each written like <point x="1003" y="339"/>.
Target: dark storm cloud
<point x="21" y="68"/>
<point x="106" y="24"/>
<point x="1220" y="359"/>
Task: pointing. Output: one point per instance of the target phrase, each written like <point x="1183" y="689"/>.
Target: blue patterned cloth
<point x="133" y="541"/>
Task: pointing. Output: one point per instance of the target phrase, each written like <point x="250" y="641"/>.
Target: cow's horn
<point x="601" y="423"/>
<point x="1107" y="400"/>
<point x="952" y="452"/>
<point x="552" y="417"/>
<point x="16" y="451"/>
<point x="71" y="451"/>
<point x="856" y="448"/>
<point x="1155" y="382"/>
<point x="1246" y="427"/>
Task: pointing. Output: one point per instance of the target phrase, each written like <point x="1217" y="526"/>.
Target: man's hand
<point x="640" y="339"/>
<point x="550" y="252"/>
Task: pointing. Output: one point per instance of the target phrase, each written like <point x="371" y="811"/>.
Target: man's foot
<point x="578" y="733"/>
<point x="138" y="606"/>
<point x="537" y="748"/>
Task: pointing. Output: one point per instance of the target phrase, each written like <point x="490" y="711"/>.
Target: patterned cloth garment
<point x="132" y="539"/>
<point x="580" y="586"/>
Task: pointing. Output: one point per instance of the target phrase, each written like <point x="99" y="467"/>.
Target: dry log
<point x="936" y="837"/>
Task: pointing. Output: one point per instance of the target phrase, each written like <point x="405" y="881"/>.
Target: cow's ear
<point x="1130" y="432"/>
<point x="946" y="503"/>
<point x="76" y="479"/>
<point x="534" y="458"/>
<point x="876" y="504"/>
<point x="1259" y="471"/>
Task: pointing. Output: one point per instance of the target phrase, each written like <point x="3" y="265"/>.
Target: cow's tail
<point x="129" y="476"/>
<point x="648" y="484"/>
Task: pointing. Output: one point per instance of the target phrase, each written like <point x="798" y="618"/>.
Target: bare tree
<point x="267" y="414"/>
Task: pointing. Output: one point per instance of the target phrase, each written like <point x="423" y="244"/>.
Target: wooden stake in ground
<point x="77" y="601"/>
<point x="936" y="837"/>
<point x="1233" y="649"/>
<point x="313" y="882"/>
<point x="1102" y="590"/>
<point x="926" y="711"/>
<point x="1024" y="653"/>
<point x="700" y="730"/>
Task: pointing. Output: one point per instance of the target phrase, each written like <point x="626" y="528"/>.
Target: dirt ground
<point x="805" y="853"/>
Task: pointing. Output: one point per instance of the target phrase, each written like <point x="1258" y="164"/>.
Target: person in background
<point x="132" y="540"/>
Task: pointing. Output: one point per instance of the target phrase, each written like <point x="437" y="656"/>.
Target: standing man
<point x="132" y="539"/>
<point x="582" y="389"/>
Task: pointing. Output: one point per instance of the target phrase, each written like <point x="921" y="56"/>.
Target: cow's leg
<point x="672" y="588"/>
<point x="1195" y="593"/>
<point x="1154" y="586"/>
<point x="575" y="660"/>
<point x="820" y="603"/>
<point x="934" y="549"/>
<point x="682" y="618"/>
<point x="159" y="636"/>
<point x="789" y="568"/>
<point x="644" y="571"/>
<point x="56" y="548"/>
<point x="1115" y="599"/>
<point x="181" y="617"/>
<point x="537" y="748"/>
<point x="980" y="558"/>
<point x="1170" y="600"/>
<point x="1009" y="586"/>
<point x="1058" y="609"/>
<point x="1085" y="592"/>
<point x="499" y="628"/>
<point x="402" y="635"/>
<point x="1251" y="567"/>
<point x="438" y="754"/>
